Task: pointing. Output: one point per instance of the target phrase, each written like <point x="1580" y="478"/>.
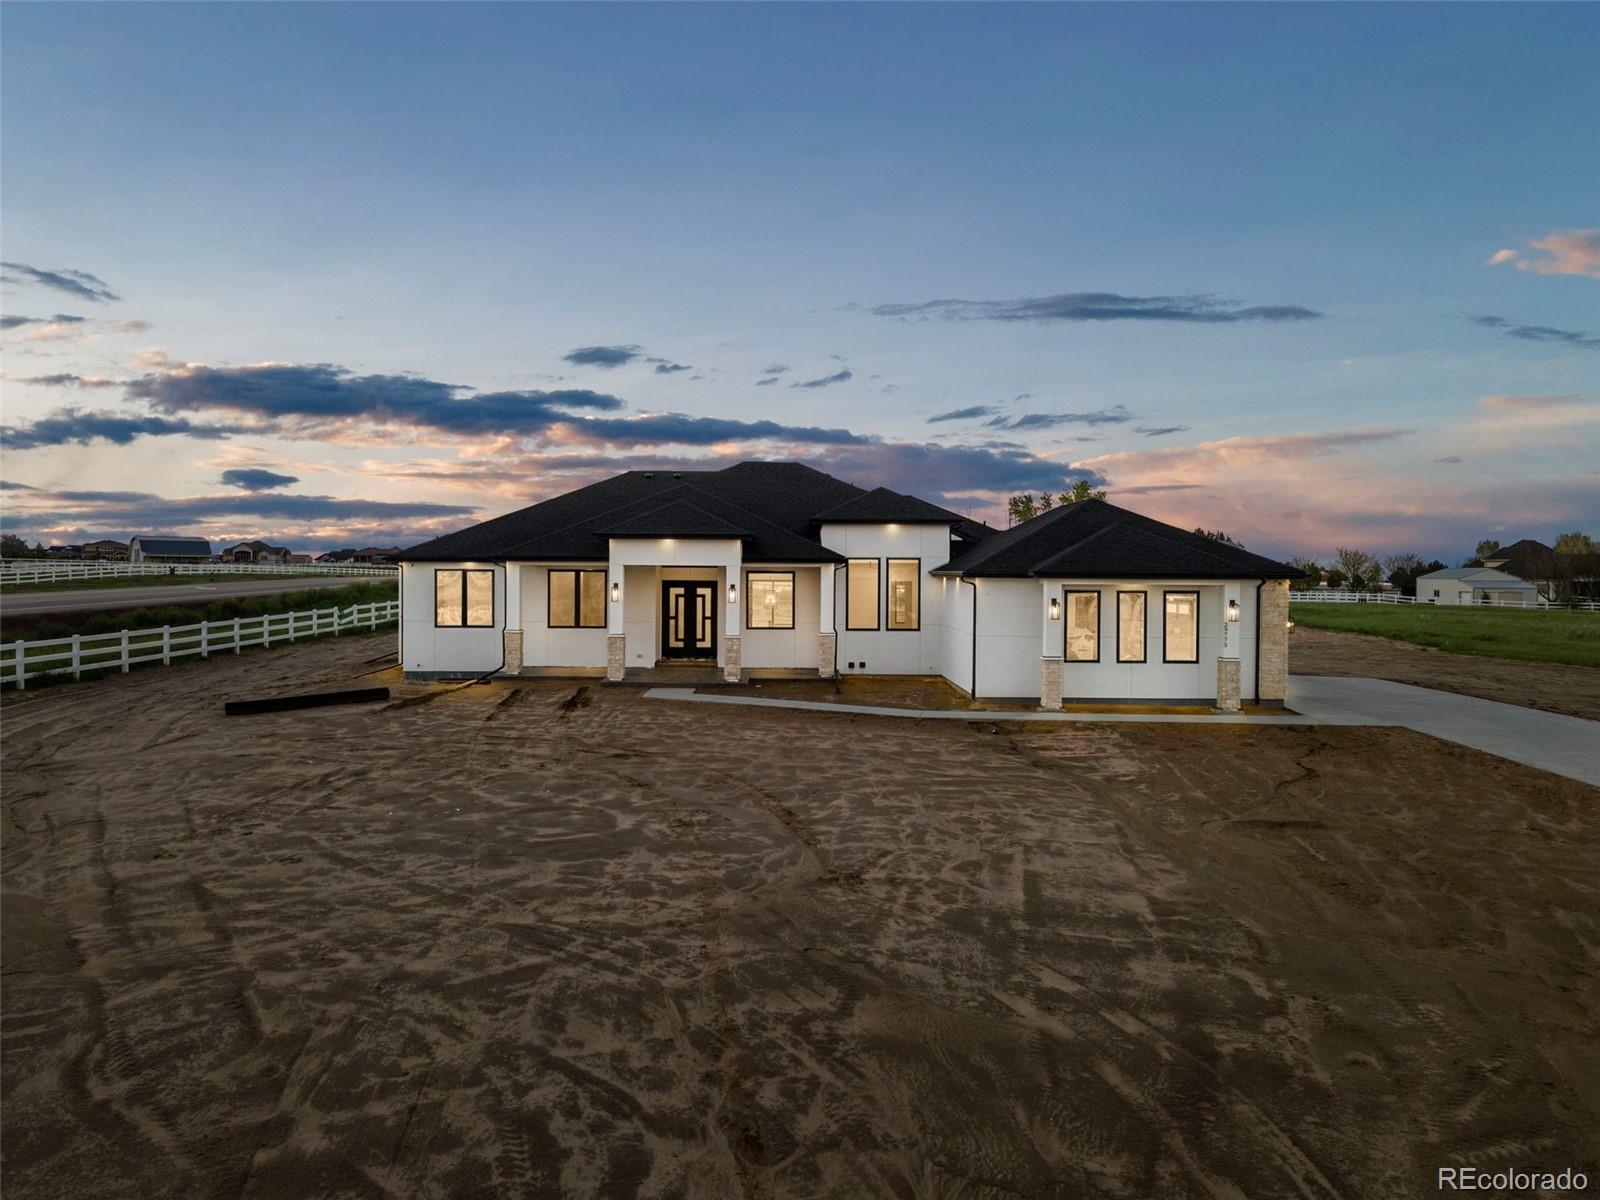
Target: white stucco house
<point x="776" y="568"/>
<point x="1474" y="585"/>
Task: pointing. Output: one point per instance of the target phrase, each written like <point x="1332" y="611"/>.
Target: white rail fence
<point x="38" y="571"/>
<point x="1335" y="596"/>
<point x="21" y="661"/>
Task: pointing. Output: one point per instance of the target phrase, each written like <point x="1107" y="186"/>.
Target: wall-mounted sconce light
<point x="616" y="592"/>
<point x="733" y="593"/>
<point x="1233" y="610"/>
<point x="1289" y="624"/>
<point x="1055" y="608"/>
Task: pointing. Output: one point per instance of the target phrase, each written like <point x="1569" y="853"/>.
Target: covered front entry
<point x="689" y="619"/>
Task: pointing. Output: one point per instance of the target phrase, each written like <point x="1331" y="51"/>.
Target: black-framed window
<point x="769" y="600"/>
<point x="861" y="593"/>
<point x="1083" y="627"/>
<point x="1131" y="608"/>
<point x="577" y="600"/>
<point x="1180" y="627"/>
<point x="904" y="594"/>
<point x="463" y="599"/>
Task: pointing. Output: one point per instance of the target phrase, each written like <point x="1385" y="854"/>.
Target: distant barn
<point x="160" y="549"/>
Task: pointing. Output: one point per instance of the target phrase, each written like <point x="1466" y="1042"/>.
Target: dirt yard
<point x="1554" y="687"/>
<point x="554" y="939"/>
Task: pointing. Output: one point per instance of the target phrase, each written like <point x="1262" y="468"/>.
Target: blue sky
<point x="1226" y="260"/>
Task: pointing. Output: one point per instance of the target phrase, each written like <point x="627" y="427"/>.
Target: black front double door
<point x="688" y="619"/>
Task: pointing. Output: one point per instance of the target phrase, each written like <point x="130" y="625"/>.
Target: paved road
<point x="1552" y="742"/>
<point x="84" y="599"/>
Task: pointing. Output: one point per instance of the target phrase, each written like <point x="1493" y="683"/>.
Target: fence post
<point x="236" y="635"/>
<point x="166" y="645"/>
<point x="124" y="651"/>
<point x="77" y="656"/>
<point x="22" y="669"/>
<point x="335" y="613"/>
<point x="205" y="628"/>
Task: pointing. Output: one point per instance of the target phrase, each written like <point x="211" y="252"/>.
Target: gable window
<point x="463" y="599"/>
<point x="1181" y="632"/>
<point x="769" y="600"/>
<point x="577" y="600"/>
<point x="1130" y="626"/>
<point x="861" y="593"/>
<point x="1083" y="626"/>
<point x="905" y="598"/>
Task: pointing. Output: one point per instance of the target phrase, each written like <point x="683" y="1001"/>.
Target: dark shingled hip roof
<point x="1093" y="539"/>
<point x="191" y="547"/>
<point x="881" y="506"/>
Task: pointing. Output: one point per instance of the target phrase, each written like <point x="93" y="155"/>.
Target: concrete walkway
<point x="1552" y="742"/>
<point x="1562" y="745"/>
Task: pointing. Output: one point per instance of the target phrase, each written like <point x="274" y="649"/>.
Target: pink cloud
<point x="1569" y="252"/>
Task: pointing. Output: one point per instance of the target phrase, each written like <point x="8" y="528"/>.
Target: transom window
<point x="1083" y="627"/>
<point x="463" y="599"/>
<point x="1130" y="626"/>
<point x="861" y="593"/>
<point x="1181" y="634"/>
<point x="769" y="600"/>
<point x="905" y="598"/>
<point x="577" y="600"/>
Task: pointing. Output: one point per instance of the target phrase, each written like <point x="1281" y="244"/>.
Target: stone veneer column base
<point x="1228" y="684"/>
<point x="616" y="656"/>
<point x="827" y="644"/>
<point x="513" y="652"/>
<point x="1273" y="640"/>
<point x="1049" y="683"/>
<point x="732" y="655"/>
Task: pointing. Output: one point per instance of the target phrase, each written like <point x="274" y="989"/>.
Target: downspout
<point x="974" y="585"/>
<point x="501" y="668"/>
<point x="1259" y="584"/>
<point x="836" y="622"/>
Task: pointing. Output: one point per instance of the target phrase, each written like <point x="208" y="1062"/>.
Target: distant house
<point x="1557" y="576"/>
<point x="1474" y="585"/>
<point x="337" y="556"/>
<point x="64" y="552"/>
<point x="299" y="559"/>
<point x="105" y="549"/>
<point x="255" y="552"/>
<point x="166" y="549"/>
<point x="375" y="554"/>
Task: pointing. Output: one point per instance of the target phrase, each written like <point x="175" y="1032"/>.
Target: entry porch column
<point x="732" y="638"/>
<point x="1228" y="655"/>
<point x="512" y="635"/>
<point x="616" y="642"/>
<point x="827" y="633"/>
<point x="1050" y="644"/>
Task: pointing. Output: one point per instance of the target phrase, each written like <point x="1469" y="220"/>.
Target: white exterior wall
<point x="546" y="647"/>
<point x="956" y="603"/>
<point x="892" y="651"/>
<point x="1009" y="637"/>
<point x="454" y="651"/>
<point x="797" y="647"/>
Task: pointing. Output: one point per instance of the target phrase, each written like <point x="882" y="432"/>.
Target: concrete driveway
<point x="1568" y="746"/>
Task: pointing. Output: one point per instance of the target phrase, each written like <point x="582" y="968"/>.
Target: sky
<point x="334" y="275"/>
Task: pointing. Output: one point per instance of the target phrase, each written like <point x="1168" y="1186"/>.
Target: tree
<point x="1357" y="566"/>
<point x="11" y="546"/>
<point x="1575" y="543"/>
<point x="1022" y="508"/>
<point x="1028" y="506"/>
<point x="1216" y="535"/>
<point x="1307" y="567"/>
<point x="1082" y="491"/>
<point x="1487" y="548"/>
<point x="1402" y="570"/>
<point x="1334" y="577"/>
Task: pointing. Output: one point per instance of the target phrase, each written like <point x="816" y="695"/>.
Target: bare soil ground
<point x="1554" y="687"/>
<point x="556" y="939"/>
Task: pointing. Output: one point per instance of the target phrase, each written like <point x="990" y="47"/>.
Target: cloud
<point x="1572" y="252"/>
<point x="1097" y="306"/>
<point x="7" y="485"/>
<point x="775" y="369"/>
<point x="75" y="283"/>
<point x="1160" y="430"/>
<point x="971" y="413"/>
<point x="1449" y="460"/>
<point x="67" y="379"/>
<point x="1538" y="333"/>
<point x="603" y="356"/>
<point x="1103" y="416"/>
<point x="1246" y="451"/>
<point x="67" y="426"/>
<point x="827" y="380"/>
<point x="16" y="322"/>
<point x="669" y="368"/>
<point x="256" y="479"/>
<point x="764" y="382"/>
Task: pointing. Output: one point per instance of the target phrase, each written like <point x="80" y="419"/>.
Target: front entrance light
<point x="733" y="593"/>
<point x="1055" y="608"/>
<point x="1233" y="610"/>
<point x="616" y="592"/>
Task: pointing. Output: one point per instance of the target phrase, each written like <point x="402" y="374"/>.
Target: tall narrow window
<point x="905" y="598"/>
<point x="769" y="600"/>
<point x="861" y="593"/>
<point x="1083" y="627"/>
<point x="463" y="599"/>
<point x="1181" y="635"/>
<point x="577" y="600"/>
<point x="1130" y="627"/>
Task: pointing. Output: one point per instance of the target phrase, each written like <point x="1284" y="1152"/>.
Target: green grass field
<point x="134" y="581"/>
<point x="1539" y="635"/>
